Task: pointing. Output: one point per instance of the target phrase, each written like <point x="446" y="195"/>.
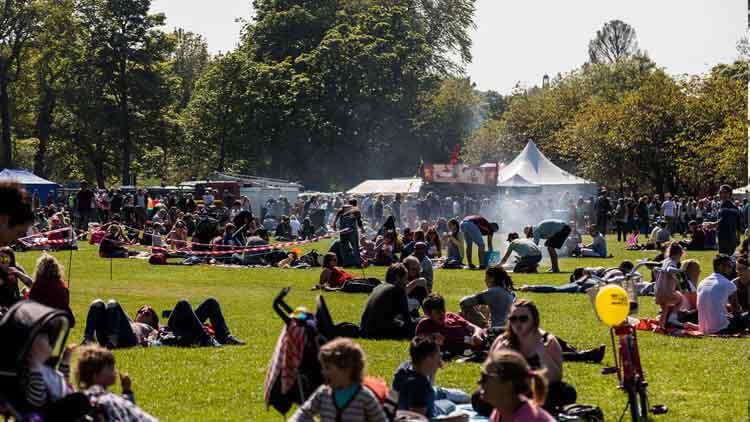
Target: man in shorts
<point x="474" y="227"/>
<point x="554" y="232"/>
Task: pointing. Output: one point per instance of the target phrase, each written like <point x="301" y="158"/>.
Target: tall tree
<point x="189" y="60"/>
<point x="615" y="41"/>
<point x="127" y="46"/>
<point x="19" y="21"/>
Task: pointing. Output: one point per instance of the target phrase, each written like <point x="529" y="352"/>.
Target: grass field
<point x="698" y="379"/>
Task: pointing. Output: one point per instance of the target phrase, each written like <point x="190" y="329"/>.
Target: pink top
<point x="528" y="412"/>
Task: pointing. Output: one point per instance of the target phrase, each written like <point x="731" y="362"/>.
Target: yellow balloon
<point x="612" y="304"/>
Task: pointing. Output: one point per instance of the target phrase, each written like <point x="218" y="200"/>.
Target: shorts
<point x="472" y="234"/>
<point x="557" y="240"/>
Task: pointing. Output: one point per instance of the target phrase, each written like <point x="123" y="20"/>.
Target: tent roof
<point x="387" y="186"/>
<point x="23" y="177"/>
<point x="516" y="181"/>
<point x="533" y="168"/>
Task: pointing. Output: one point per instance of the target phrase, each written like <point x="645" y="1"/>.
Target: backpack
<point x="311" y="258"/>
<point x="274" y="257"/>
<point x="359" y="285"/>
<point x="582" y="413"/>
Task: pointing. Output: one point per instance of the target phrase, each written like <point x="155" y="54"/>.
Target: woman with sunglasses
<point x="10" y="274"/>
<point x="513" y="389"/>
<point x="541" y="350"/>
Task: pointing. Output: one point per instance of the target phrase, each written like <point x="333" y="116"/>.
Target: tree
<point x="615" y="41"/>
<point x="18" y="24"/>
<point x="126" y="46"/>
<point x="189" y="60"/>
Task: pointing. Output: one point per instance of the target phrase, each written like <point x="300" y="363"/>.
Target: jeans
<point x="565" y="288"/>
<point x="109" y="325"/>
<point x="349" y="245"/>
<point x="188" y="324"/>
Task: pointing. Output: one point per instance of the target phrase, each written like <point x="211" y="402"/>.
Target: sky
<point x="521" y="40"/>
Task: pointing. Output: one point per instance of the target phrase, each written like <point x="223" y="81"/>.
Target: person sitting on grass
<point x="671" y="288"/>
<point x="386" y="313"/>
<point x="434" y="246"/>
<point x="529" y="254"/>
<point x="455" y="244"/>
<point x="714" y="294"/>
<point x="113" y="243"/>
<point x="454" y="333"/>
<point x="416" y="283"/>
<point x="49" y="288"/>
<point x="95" y="373"/>
<point x="177" y="237"/>
<point x="10" y="274"/>
<point x="540" y="349"/>
<point x="342" y="397"/>
<point x="598" y="246"/>
<point x="741" y="298"/>
<point x="413" y="382"/>
<point x="332" y="276"/>
<point x="512" y="390"/>
<point x="697" y="240"/>
<point x="498" y="297"/>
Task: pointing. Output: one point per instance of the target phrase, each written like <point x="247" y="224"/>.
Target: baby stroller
<point x="295" y="372"/>
<point x="18" y="328"/>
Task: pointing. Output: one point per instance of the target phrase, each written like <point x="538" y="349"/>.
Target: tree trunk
<point x="43" y="130"/>
<point x="99" y="165"/>
<point x="222" y="153"/>
<point x="6" y="159"/>
<point x="124" y="123"/>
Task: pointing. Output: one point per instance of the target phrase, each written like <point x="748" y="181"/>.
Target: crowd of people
<point x="522" y="374"/>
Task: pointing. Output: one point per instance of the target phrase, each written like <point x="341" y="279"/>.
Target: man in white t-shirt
<point x="295" y="224"/>
<point x="669" y="211"/>
<point x="713" y="297"/>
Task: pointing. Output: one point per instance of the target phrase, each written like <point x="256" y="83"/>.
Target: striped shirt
<point x="362" y="407"/>
<point x="46" y="385"/>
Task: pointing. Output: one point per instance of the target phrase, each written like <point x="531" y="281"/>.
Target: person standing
<point x="141" y="202"/>
<point x="729" y="223"/>
<point x="84" y="205"/>
<point x="603" y="211"/>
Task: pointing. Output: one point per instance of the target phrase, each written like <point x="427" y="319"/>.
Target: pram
<point x="18" y="327"/>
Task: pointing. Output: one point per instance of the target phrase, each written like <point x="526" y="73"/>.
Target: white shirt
<point x="294" y="223"/>
<point x="713" y="296"/>
<point x="668" y="208"/>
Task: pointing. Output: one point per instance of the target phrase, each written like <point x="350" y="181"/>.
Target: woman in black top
<point x="10" y="274"/>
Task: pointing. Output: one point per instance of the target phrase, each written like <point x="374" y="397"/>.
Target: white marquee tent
<point x="387" y="186"/>
<point x="532" y="169"/>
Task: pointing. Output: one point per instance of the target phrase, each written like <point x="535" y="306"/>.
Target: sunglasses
<point x="519" y="318"/>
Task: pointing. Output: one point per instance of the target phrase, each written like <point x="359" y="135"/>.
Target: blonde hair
<point x="92" y="360"/>
<point x="47" y="268"/>
<point x="344" y="353"/>
<point x="510" y="366"/>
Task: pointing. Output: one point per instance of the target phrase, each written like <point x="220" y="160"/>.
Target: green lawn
<point x="698" y="379"/>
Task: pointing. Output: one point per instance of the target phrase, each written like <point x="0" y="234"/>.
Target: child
<point x="342" y="397"/>
<point x="43" y="384"/>
<point x="95" y="372"/>
<point x="332" y="277"/>
<point x="670" y="286"/>
<point x="49" y="288"/>
<point x="413" y="382"/>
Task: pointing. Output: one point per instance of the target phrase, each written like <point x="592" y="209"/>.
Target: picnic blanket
<point x="651" y="324"/>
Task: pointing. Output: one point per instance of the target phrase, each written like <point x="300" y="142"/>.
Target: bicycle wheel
<point x="638" y="406"/>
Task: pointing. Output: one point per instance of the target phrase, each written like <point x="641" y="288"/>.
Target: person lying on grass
<point x="332" y="276"/>
<point x="96" y="372"/>
<point x="413" y="382"/>
<point x="108" y="325"/>
<point x="453" y="333"/>
<point x="342" y="397"/>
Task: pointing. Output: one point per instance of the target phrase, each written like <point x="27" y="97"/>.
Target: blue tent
<point x="31" y="182"/>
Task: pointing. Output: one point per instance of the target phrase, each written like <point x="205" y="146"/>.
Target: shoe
<point x="472" y="266"/>
<point x="596" y="355"/>
<point x="482" y="267"/>
<point x="552" y="270"/>
<point x="233" y="341"/>
<point x="524" y="288"/>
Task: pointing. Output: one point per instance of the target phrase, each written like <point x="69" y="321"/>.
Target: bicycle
<point x="627" y="358"/>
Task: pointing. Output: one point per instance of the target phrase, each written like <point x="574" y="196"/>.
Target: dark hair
<point x="494" y="227"/>
<point x="395" y="273"/>
<point x="509" y="335"/>
<point x="626" y="266"/>
<point x="455" y="222"/>
<point x="422" y="347"/>
<point x="418" y="236"/>
<point x="14" y="203"/>
<point x="500" y="277"/>
<point x="7" y="250"/>
<point x="353" y="202"/>
<point x="433" y="302"/>
<point x="577" y="274"/>
<point x="720" y="260"/>
<point x="433" y="237"/>
<point x="328" y="258"/>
